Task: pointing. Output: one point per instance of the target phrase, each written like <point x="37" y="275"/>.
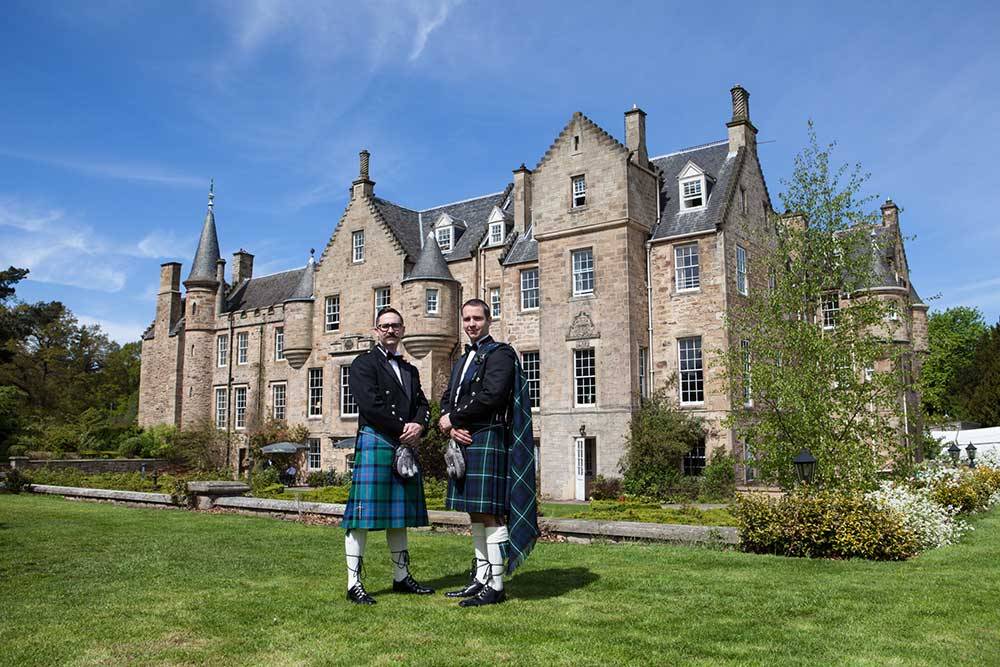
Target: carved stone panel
<point x="582" y="328"/>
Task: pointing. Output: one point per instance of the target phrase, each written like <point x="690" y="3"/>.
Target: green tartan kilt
<point x="378" y="498"/>
<point x="484" y="487"/>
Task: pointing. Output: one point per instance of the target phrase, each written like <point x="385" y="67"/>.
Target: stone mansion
<point x="609" y="271"/>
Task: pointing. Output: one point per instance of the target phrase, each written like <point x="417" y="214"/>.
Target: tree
<point x="810" y="361"/>
<point x="953" y="337"/>
<point x="979" y="385"/>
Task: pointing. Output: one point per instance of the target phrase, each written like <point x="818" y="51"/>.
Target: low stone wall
<point x="574" y="530"/>
<point x="129" y="497"/>
<point x="90" y="465"/>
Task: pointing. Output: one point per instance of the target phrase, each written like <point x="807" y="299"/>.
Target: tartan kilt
<point x="484" y="487"/>
<point x="378" y="498"/>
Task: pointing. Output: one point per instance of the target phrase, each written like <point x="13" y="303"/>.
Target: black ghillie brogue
<point x="358" y="595"/>
<point x="410" y="585"/>
<point x="472" y="588"/>
<point x="488" y="595"/>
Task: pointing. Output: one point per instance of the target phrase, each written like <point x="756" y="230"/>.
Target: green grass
<point x="89" y="584"/>
<point x="646" y="513"/>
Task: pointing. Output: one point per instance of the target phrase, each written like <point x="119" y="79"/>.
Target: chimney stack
<point x="522" y="199"/>
<point x="242" y="266"/>
<point x="742" y="133"/>
<point x="220" y="292"/>
<point x="364" y="186"/>
<point x="890" y="214"/>
<point x="168" y="300"/>
<point x="635" y="134"/>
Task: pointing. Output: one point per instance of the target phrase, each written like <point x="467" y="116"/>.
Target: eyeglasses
<point x="398" y="326"/>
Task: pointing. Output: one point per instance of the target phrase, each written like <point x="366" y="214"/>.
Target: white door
<point x="581" y="484"/>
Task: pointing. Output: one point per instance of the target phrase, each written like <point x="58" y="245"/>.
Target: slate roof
<point x="474" y="213"/>
<point x="430" y="264"/>
<point x="207" y="254"/>
<point x="266" y="290"/>
<point x="403" y="222"/>
<point x="524" y="249"/>
<point x="715" y="160"/>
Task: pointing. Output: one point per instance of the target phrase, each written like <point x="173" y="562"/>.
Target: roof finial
<point x="211" y="194"/>
<point x="312" y="256"/>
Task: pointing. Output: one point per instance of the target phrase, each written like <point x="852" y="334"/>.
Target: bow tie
<point x="471" y="348"/>
<point x="393" y="357"/>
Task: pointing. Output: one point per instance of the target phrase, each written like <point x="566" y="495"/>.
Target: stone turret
<point x="299" y="318"/>
<point x="430" y="310"/>
<point x="201" y="306"/>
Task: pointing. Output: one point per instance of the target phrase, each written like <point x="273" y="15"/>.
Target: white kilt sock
<point x="479" y="544"/>
<point x="496" y="536"/>
<point x="354" y="548"/>
<point x="396" y="537"/>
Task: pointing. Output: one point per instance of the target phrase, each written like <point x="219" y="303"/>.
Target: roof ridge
<point x="689" y="149"/>
<point x="460" y="201"/>
<point x="276" y="273"/>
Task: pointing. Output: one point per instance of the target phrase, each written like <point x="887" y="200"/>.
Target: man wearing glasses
<point x="387" y="491"/>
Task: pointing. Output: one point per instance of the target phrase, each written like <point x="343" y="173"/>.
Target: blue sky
<point x="116" y="114"/>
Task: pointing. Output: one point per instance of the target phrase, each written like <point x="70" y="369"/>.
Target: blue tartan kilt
<point x="378" y="498"/>
<point x="484" y="487"/>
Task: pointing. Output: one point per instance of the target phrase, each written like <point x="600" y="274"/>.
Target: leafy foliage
<point x="978" y="386"/>
<point x="824" y="524"/>
<point x="604" y="510"/>
<point x="606" y="488"/>
<point x="76" y="389"/>
<point x="430" y="450"/>
<point x="659" y="435"/>
<point x="953" y="336"/>
<point x="833" y="389"/>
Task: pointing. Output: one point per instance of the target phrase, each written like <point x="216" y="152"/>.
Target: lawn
<point x="85" y="583"/>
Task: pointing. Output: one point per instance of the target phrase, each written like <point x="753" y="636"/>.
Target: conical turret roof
<point x="304" y="290"/>
<point x="205" y="258"/>
<point x="430" y="263"/>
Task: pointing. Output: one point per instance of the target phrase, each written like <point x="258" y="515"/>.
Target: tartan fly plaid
<point x="378" y="498"/>
<point x="484" y="487"/>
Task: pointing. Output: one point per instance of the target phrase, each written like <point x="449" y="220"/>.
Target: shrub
<point x="966" y="490"/>
<point x="934" y="525"/>
<point x="17" y="450"/>
<point x="328" y="494"/>
<point x="430" y="449"/>
<point x="659" y="435"/>
<point x="13" y="481"/>
<point x="606" y="488"/>
<point x="718" y="480"/>
<point x="262" y="479"/>
<point x="825" y="524"/>
<point x="327" y="478"/>
<point x="435" y="491"/>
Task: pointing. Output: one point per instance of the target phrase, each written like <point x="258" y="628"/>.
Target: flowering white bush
<point x="934" y="526"/>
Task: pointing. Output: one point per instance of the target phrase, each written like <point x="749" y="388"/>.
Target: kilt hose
<point x="484" y="487"/>
<point x="378" y="498"/>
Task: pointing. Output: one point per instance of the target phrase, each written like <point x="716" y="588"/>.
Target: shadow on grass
<point x="533" y="585"/>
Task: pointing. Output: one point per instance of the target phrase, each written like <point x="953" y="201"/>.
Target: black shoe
<point x="488" y="595"/>
<point x="410" y="585"/>
<point x="358" y="595"/>
<point x="467" y="592"/>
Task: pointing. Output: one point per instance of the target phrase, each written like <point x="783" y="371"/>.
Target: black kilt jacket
<point x="384" y="403"/>
<point x="486" y="393"/>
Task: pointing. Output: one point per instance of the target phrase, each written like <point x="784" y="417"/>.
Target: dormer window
<point x="693" y="193"/>
<point x="693" y="184"/>
<point x="496" y="233"/>
<point x="445" y="237"/>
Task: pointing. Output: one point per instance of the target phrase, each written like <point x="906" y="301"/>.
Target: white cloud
<point x="58" y="248"/>
<point x="121" y="332"/>
<point x="376" y="32"/>
<point x="116" y="169"/>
